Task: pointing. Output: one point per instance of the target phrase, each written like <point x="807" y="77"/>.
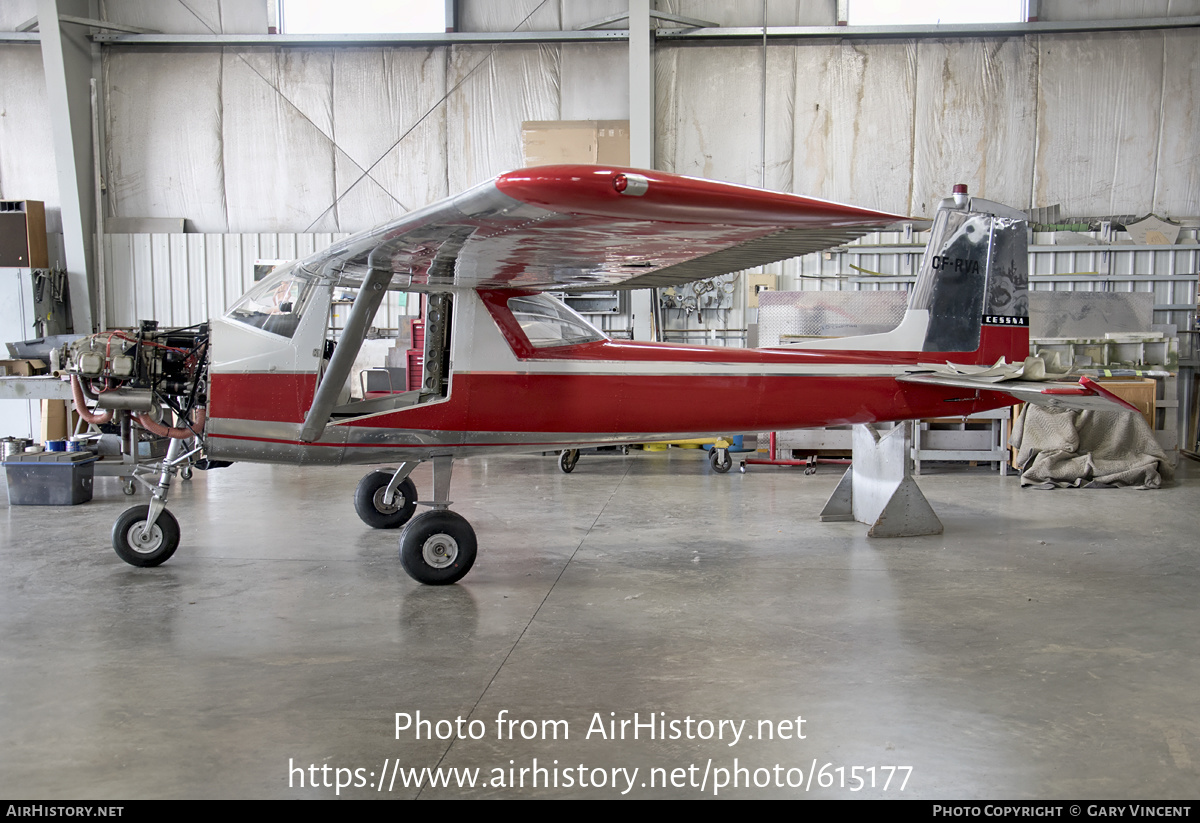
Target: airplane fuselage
<point x="504" y="395"/>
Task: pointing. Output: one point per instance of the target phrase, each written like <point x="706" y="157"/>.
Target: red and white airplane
<point x="508" y="368"/>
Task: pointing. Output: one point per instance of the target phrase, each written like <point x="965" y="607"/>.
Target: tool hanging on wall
<point x="51" y="302"/>
<point x="702" y="295"/>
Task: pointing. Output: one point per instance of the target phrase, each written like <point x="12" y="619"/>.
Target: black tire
<point x="186" y="473"/>
<point x="437" y="548"/>
<point x="368" y="501"/>
<point x="720" y="460"/>
<point x="164" y="537"/>
<point x="567" y="460"/>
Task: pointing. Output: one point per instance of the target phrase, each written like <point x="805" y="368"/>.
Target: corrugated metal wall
<point x="181" y="279"/>
<point x="884" y="262"/>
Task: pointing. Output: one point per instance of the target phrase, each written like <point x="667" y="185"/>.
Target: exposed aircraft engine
<point x="150" y="373"/>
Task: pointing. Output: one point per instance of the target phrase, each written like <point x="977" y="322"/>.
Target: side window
<point x="547" y="322"/>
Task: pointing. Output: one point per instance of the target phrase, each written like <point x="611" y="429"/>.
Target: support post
<point x="67" y="62"/>
<point x="641" y="136"/>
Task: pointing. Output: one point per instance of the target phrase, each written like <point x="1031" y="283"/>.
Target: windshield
<point x="547" y="322"/>
<point x="276" y="302"/>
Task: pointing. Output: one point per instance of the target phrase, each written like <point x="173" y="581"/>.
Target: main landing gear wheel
<point x="139" y="546"/>
<point x="437" y="547"/>
<point x="720" y="460"/>
<point x="567" y="460"/>
<point x="372" y="510"/>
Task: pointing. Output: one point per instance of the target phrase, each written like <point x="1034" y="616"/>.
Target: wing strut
<point x="366" y="303"/>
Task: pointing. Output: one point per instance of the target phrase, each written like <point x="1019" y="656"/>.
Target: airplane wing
<point x="1086" y="394"/>
<point x="578" y="228"/>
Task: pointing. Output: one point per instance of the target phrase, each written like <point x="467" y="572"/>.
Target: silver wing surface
<point x="576" y="228"/>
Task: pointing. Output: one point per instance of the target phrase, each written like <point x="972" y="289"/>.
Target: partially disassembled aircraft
<point x="509" y="368"/>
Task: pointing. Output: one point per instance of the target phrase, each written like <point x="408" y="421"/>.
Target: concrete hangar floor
<point x="1044" y="647"/>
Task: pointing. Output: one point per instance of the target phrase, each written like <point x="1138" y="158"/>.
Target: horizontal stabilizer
<point x="1086" y="394"/>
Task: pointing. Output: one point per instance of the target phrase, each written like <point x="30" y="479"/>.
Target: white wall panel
<point x="892" y="125"/>
<point x="1099" y="112"/>
<point x="710" y="113"/>
<point x="278" y="162"/>
<point x="750" y="12"/>
<point x="854" y="123"/>
<point x="165" y="152"/>
<point x="574" y="14"/>
<point x="391" y="131"/>
<point x="192" y="17"/>
<point x="976" y="119"/>
<point x="1177" y="182"/>
<point x="522" y="15"/>
<point x="495" y="90"/>
<point x="27" y="166"/>
<point x="594" y="82"/>
<point x="15" y="12"/>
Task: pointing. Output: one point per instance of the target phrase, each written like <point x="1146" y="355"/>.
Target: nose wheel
<point x="141" y="545"/>
<point x="148" y="535"/>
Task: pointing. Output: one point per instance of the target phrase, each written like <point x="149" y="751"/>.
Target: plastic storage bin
<point x="50" y="478"/>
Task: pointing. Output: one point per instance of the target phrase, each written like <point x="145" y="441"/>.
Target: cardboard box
<point x="21" y="368"/>
<point x="549" y="142"/>
<point x="57" y="423"/>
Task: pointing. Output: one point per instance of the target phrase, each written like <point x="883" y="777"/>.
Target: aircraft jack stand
<point x="878" y="488"/>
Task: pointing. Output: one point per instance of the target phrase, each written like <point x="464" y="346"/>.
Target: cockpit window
<point x="547" y="322"/>
<point x="276" y="302"/>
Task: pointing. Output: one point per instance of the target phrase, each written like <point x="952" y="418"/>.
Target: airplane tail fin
<point x="973" y="283"/>
<point x="969" y="303"/>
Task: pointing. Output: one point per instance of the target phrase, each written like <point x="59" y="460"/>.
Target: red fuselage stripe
<point x="541" y="404"/>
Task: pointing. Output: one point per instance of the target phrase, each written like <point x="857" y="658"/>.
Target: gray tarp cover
<point x="1087" y="449"/>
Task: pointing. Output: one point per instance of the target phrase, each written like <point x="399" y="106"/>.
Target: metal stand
<point x="878" y="488"/>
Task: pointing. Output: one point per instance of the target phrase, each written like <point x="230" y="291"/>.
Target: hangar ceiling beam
<point x="925" y="31"/>
<point x="450" y="38"/>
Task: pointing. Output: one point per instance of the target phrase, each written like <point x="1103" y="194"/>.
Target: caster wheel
<point x="567" y="460"/>
<point x="437" y="548"/>
<point x="368" y="501"/>
<point x="128" y="487"/>
<point x="742" y="467"/>
<point x="720" y="460"/>
<point x="143" y="547"/>
<point x="186" y="472"/>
